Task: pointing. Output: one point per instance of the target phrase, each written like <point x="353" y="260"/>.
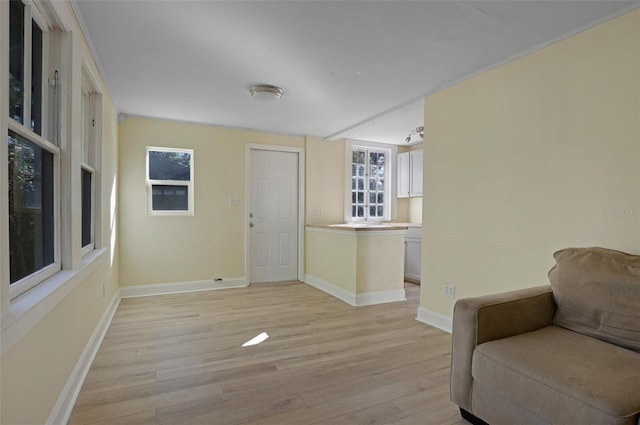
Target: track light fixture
<point x="419" y="131"/>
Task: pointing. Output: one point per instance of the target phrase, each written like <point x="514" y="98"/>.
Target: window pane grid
<point x="367" y="184"/>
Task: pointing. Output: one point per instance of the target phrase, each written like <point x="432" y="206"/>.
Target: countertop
<point x="366" y="226"/>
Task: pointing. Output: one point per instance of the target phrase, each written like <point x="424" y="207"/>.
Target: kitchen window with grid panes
<point x="368" y="184"/>
<point x="33" y="157"/>
<point x="169" y="181"/>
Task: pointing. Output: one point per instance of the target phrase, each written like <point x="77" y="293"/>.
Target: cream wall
<point x="332" y="256"/>
<point x="36" y="368"/>
<point x="324" y="181"/>
<point x="531" y="157"/>
<point x="211" y="243"/>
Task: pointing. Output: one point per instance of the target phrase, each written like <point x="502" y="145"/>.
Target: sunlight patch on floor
<point x="256" y="340"/>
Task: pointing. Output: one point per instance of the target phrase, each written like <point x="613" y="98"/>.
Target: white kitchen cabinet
<point x="410" y="174"/>
<point x="413" y="254"/>
<point x="404" y="176"/>
<point x="415" y="161"/>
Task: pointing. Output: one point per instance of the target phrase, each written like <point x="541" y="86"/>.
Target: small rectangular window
<point x="170" y="180"/>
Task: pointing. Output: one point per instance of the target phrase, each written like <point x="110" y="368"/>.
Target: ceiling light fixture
<point x="266" y="92"/>
<point x="419" y="131"/>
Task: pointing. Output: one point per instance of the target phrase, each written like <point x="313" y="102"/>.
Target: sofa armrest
<point x="482" y="319"/>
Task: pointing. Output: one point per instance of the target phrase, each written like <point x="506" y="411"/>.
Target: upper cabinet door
<point x="404" y="177"/>
<point x="415" y="160"/>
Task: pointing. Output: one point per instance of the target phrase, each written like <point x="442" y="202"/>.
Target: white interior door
<point x="273" y="216"/>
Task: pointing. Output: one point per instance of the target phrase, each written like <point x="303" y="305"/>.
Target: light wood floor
<point x="178" y="359"/>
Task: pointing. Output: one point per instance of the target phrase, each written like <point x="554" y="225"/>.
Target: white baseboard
<point x="67" y="399"/>
<point x="180" y="287"/>
<point x="356" y="300"/>
<point x="435" y="319"/>
<point x="380" y="297"/>
<point x="331" y="289"/>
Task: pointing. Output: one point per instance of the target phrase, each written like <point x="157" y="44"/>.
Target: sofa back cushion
<point x="597" y="292"/>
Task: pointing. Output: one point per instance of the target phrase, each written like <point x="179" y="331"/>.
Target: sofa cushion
<point x="563" y="376"/>
<point x="597" y="292"/>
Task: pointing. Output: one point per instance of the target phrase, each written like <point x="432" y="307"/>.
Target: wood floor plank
<point x="179" y="359"/>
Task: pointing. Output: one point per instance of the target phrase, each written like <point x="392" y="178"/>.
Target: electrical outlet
<point x="449" y="290"/>
<point x="317" y="211"/>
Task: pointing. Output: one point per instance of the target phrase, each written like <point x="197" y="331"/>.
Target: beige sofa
<point x="568" y="353"/>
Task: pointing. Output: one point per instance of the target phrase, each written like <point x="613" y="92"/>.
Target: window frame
<point x="20" y="286"/>
<point x="389" y="188"/>
<point x="153" y="182"/>
<point x="88" y="159"/>
<point x="23" y="129"/>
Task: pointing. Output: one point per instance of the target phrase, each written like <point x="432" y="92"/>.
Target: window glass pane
<point x="36" y="78"/>
<point x="85" y="104"/>
<point x="170" y="198"/>
<point x="31" y="229"/>
<point x="16" y="60"/>
<point x="165" y="165"/>
<point x="87" y="202"/>
<point x="360" y="211"/>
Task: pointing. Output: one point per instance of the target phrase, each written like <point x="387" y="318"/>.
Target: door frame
<point x="247" y="196"/>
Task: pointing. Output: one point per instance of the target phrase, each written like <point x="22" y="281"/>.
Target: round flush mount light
<point x="266" y="92"/>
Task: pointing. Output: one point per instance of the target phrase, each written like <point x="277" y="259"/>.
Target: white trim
<point x="355" y="300"/>
<point x="380" y="297"/>
<point x="4" y="153"/>
<point x="33" y="137"/>
<point x="301" y="201"/>
<point x="26" y="311"/>
<point x="331" y="289"/>
<point x="435" y="319"/>
<point x="67" y="399"/>
<point x="181" y="287"/>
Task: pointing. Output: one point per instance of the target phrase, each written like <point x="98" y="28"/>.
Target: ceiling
<point x="356" y="69"/>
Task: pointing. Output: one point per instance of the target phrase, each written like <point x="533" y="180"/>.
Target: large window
<point x="88" y="169"/>
<point x="33" y="160"/>
<point x="369" y="184"/>
<point x="169" y="181"/>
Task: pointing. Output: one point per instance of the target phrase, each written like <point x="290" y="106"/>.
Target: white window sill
<point x="26" y="311"/>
